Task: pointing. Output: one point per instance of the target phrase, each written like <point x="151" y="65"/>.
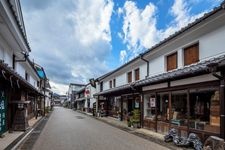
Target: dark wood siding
<point x="191" y="54"/>
<point x="172" y="61"/>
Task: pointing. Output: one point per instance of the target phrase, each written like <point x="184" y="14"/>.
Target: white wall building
<point x="89" y="97"/>
<point x="73" y="88"/>
<point x="189" y="61"/>
<point x="17" y="70"/>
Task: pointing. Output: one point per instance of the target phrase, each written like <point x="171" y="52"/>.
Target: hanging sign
<point x="152" y="102"/>
<point x="2" y="113"/>
<point x="137" y="103"/>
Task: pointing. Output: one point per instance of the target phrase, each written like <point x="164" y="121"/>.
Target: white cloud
<point x="69" y="38"/>
<point x="140" y="25"/>
<point x="91" y="19"/>
<point x="123" y="56"/>
<point x="59" y="88"/>
<point x="120" y="11"/>
<point x="138" y="29"/>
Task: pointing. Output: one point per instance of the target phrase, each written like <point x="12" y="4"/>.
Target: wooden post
<point x="156" y="112"/>
<point x="170" y="108"/>
<point x="121" y="105"/>
<point x="107" y="106"/>
<point x="97" y="109"/>
<point x="222" y="106"/>
<point x="188" y="110"/>
<point x="142" y="109"/>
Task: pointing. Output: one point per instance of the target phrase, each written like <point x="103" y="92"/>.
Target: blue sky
<point x="75" y="40"/>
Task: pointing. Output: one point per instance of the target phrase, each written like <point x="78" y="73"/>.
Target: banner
<point x="2" y="113"/>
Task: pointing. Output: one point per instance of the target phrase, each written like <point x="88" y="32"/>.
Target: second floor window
<point x="38" y="83"/>
<point x="137" y="74"/>
<point x="191" y="54"/>
<point x="172" y="61"/>
<point x="129" y="77"/>
<point x="114" y="82"/>
<point x="14" y="62"/>
<point x="101" y="86"/>
<point x="110" y="84"/>
<point x="26" y="76"/>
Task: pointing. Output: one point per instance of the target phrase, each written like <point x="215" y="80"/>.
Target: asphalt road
<point x="69" y="130"/>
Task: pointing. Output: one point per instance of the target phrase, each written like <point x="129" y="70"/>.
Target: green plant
<point x="135" y="118"/>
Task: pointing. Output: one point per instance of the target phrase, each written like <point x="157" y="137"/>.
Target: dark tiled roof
<point x="191" y="70"/>
<point x="182" y="30"/>
<point x="8" y="70"/>
<point x="19" y="24"/>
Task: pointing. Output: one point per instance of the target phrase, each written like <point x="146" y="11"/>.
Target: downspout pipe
<point x="141" y="57"/>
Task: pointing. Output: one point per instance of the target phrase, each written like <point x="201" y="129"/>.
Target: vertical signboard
<point x="2" y="113"/>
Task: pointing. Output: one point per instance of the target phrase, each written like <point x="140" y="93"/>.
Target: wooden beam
<point x="188" y="110"/>
<point x="156" y="112"/>
<point x="170" y="108"/>
<point x="121" y="104"/>
<point x="222" y="106"/>
<point x="142" y="109"/>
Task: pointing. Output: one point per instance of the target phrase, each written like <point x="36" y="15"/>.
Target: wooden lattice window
<point x="114" y="82"/>
<point x="137" y="74"/>
<point x="129" y="77"/>
<point x="101" y="86"/>
<point x="110" y="84"/>
<point x="191" y="54"/>
<point x="172" y="61"/>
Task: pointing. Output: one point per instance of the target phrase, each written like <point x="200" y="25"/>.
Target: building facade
<point x="73" y="88"/>
<point x="19" y="87"/>
<point x="178" y="83"/>
<point x="89" y="98"/>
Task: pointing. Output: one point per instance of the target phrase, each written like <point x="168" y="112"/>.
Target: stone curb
<point x="12" y="144"/>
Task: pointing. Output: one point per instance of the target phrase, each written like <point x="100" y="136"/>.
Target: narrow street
<point x="67" y="130"/>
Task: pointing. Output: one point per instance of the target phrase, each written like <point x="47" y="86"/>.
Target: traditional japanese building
<point x="18" y="79"/>
<point x="178" y="83"/>
<point x="73" y="88"/>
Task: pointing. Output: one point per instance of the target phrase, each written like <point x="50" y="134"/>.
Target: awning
<point x="80" y="99"/>
<point x="19" y="102"/>
<point x="14" y="78"/>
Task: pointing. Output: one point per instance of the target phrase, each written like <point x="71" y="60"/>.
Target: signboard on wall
<point x="137" y="103"/>
<point x="2" y="113"/>
<point x="152" y="102"/>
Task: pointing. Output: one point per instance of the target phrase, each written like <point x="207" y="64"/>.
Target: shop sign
<point x="87" y="92"/>
<point x="136" y="103"/>
<point x="152" y="102"/>
<point x="2" y="113"/>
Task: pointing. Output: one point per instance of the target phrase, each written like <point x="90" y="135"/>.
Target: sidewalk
<point x="142" y="132"/>
<point x="9" y="138"/>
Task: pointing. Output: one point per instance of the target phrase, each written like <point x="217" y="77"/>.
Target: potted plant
<point x="135" y="119"/>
